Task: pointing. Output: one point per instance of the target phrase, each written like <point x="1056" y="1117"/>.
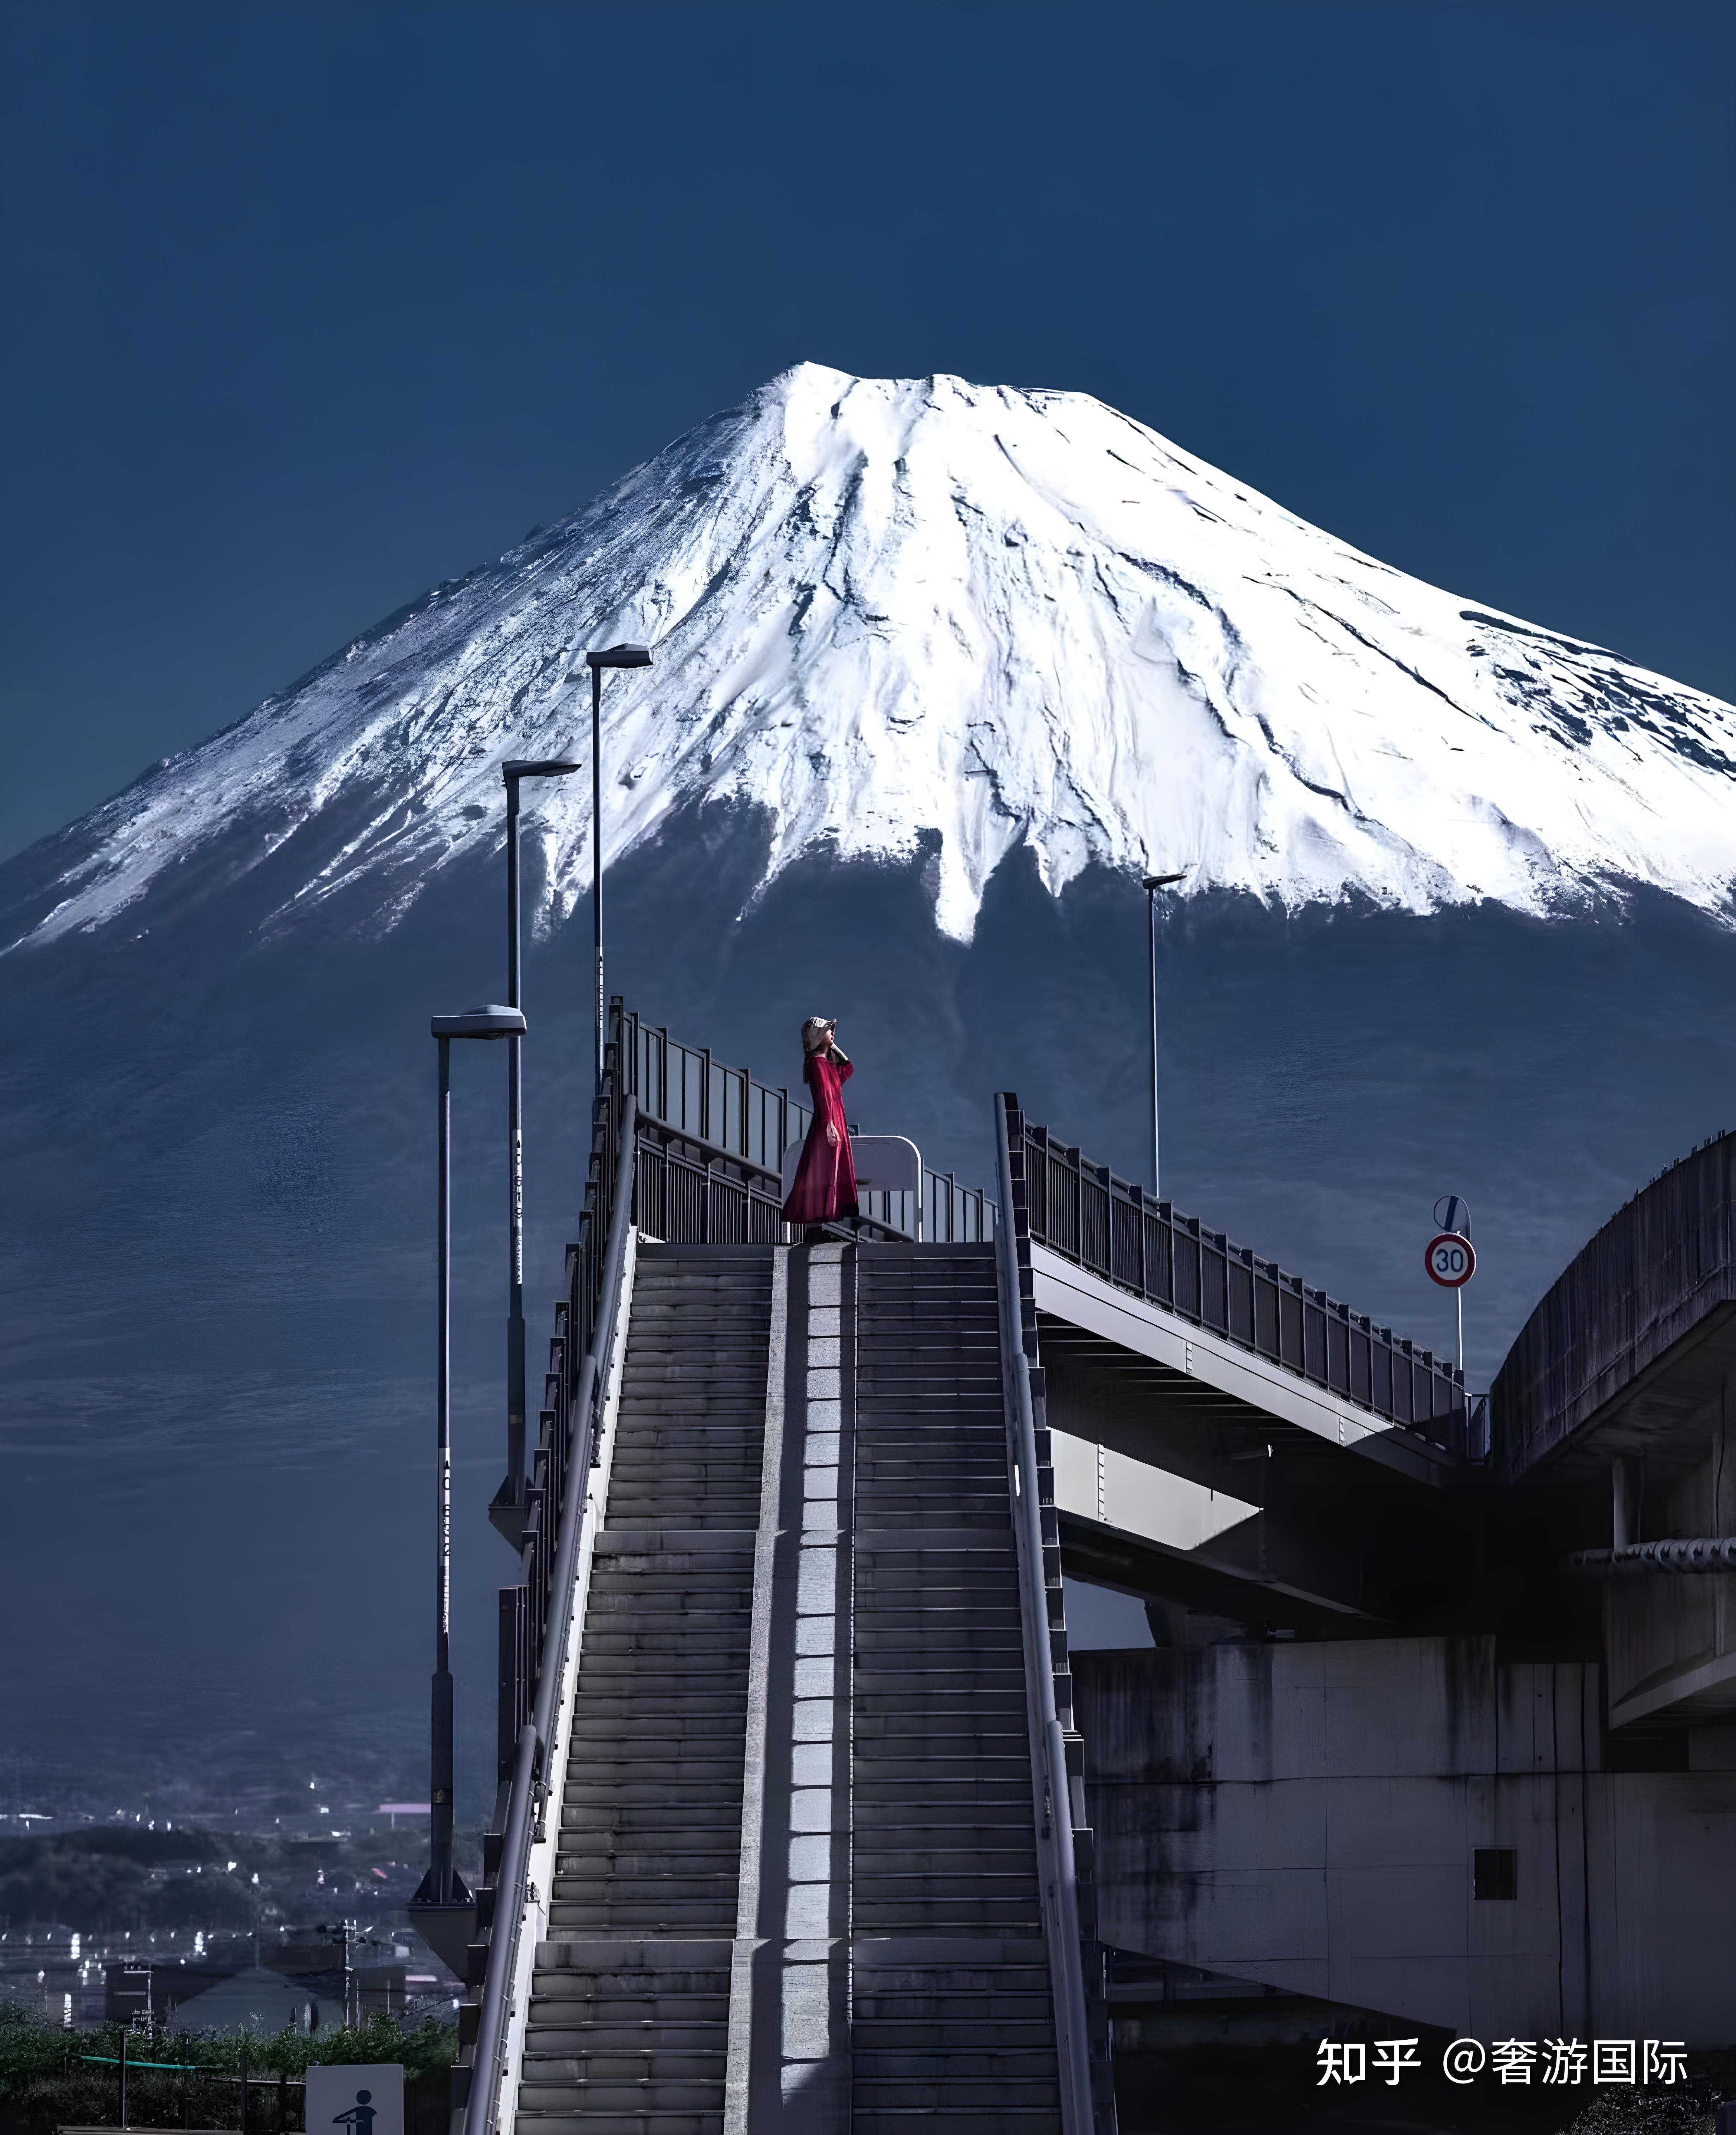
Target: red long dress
<point x="825" y="1188"/>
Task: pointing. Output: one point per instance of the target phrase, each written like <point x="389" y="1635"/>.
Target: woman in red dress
<point x="825" y="1188"/>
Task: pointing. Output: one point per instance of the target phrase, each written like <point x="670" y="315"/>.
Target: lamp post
<point x="1151" y="883"/>
<point x="441" y="1889"/>
<point x="617" y="655"/>
<point x="509" y="1513"/>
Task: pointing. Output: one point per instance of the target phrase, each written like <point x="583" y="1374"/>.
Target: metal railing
<point x="535" y="1614"/>
<point x="1083" y="1212"/>
<point x="714" y="1140"/>
<point x="684" y="1086"/>
<point x="1057" y="1866"/>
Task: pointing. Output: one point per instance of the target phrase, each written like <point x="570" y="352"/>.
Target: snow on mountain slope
<point x="894" y="613"/>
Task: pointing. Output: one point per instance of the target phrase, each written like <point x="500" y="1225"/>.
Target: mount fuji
<point x="938" y="672"/>
<point x="890" y="613"/>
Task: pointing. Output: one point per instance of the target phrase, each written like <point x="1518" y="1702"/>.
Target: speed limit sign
<point x="1450" y="1261"/>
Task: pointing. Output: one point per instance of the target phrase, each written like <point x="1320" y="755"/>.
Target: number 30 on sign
<point x="1450" y="1261"/>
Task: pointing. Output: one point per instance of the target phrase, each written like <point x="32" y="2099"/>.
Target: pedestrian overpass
<point x="792" y="1826"/>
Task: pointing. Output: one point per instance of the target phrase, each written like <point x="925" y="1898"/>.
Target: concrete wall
<point x="1669" y="1639"/>
<point x="1305" y="1815"/>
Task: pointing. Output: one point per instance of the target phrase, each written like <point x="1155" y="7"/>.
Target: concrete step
<point x="700" y="2060"/>
<point x="949" y="1916"/>
<point x="960" y="1701"/>
<point x="633" y="1813"/>
<point x="888" y="1863"/>
<point x="653" y="1473"/>
<point x="615" y="2035"/>
<point x="679" y="1855"/>
<point x="666" y="1724"/>
<point x="638" y="1913"/>
<point x="948" y="1786"/>
<point x="679" y="1994"/>
<point x="643" y="1594"/>
<point x="677" y="1848"/>
<point x="996" y="1823"/>
<point x="641" y="1465"/>
<point x="958" y="2108"/>
<point x="682" y="1582"/>
<point x="989" y="2070"/>
<point x="703" y="1647"/>
<point x="646" y="1916"/>
<point x="667" y="1382"/>
<point x="706" y="1505"/>
<point x="932" y="1882"/>
<point x="894" y="1617"/>
<point x="722" y="1714"/>
<point x="625" y="2094"/>
<point x="656" y="1780"/>
<point x="881" y="1675"/>
<point x="645" y="2121"/>
<point x="724" y="1346"/>
<point x="942" y="1731"/>
<point x="880" y="1468"/>
<point x="940" y="2033"/>
<point x="667" y="1656"/>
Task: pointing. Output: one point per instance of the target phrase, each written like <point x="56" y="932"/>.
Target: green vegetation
<point x="47" y="2082"/>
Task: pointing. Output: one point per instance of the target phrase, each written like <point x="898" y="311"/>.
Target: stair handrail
<point x="1067" y="1971"/>
<point x="530" y="1778"/>
<point x="714" y="1152"/>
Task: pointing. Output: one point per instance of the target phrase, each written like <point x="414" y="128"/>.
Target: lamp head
<point x="1162" y="881"/>
<point x="489" y="1022"/>
<point x="544" y="767"/>
<point x="619" y="655"/>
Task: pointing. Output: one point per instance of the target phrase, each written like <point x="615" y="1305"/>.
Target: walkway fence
<point x="712" y="1143"/>
<point x="1082" y="1210"/>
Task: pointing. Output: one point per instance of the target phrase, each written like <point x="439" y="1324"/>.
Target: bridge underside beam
<point x="1202" y="1375"/>
<point x="1192" y="1490"/>
<point x="1106" y="1556"/>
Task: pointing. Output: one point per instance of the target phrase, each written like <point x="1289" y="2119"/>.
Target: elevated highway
<point x="1613" y="1416"/>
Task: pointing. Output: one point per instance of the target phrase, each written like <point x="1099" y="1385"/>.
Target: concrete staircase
<point x="868" y="1952"/>
<point x="952" y="2020"/>
<point x="629" y="2016"/>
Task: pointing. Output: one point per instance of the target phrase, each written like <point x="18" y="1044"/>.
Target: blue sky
<point x="308" y="306"/>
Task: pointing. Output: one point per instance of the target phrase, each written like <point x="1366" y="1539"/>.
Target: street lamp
<point x="1150" y="884"/>
<point x="444" y="1908"/>
<point x="617" y="655"/>
<point x="508" y="1511"/>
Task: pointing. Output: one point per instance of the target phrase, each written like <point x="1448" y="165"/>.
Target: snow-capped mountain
<point x="921" y="615"/>
<point x="1458" y="920"/>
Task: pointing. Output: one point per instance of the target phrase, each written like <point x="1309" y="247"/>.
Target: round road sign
<point x="1450" y="1260"/>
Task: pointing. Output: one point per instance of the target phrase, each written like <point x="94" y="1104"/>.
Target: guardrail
<point x="1055" y="1817"/>
<point x="536" y="1615"/>
<point x="1083" y="1212"/>
<point x="713" y="1173"/>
